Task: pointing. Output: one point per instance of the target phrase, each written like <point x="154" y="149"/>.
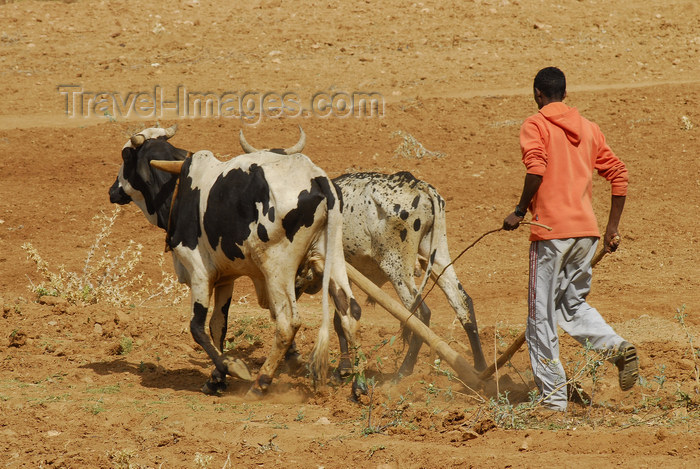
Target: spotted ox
<point x="391" y="222"/>
<point x="260" y="215"/>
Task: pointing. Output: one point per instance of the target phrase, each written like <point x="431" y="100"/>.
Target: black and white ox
<point x="260" y="215"/>
<point x="390" y="222"/>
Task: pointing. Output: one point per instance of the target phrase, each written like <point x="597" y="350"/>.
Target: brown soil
<point x="98" y="385"/>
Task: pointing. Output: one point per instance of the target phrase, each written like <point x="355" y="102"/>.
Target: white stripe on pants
<point x="560" y="280"/>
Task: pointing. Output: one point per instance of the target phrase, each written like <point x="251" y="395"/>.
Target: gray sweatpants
<point x="560" y="280"/>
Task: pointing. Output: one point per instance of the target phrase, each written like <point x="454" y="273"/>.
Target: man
<point x="561" y="149"/>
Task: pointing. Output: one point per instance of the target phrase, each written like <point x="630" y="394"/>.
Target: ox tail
<point x="438" y="228"/>
<point x="334" y="225"/>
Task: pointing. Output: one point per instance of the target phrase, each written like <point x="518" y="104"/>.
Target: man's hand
<point x="512" y="222"/>
<point x="532" y="184"/>
<point x="611" y="241"/>
<point x="616" y="205"/>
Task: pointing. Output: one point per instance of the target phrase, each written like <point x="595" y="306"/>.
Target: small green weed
<point x="247" y="329"/>
<point x="195" y="404"/>
<point x="110" y="389"/>
<point x="370" y="384"/>
<point x="109" y="116"/>
<point x="44" y="291"/>
<point x="126" y="345"/>
<point x="374" y="449"/>
<point x="96" y="407"/>
<point x="507" y="415"/>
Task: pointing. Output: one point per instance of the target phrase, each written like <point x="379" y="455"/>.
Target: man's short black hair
<point x="551" y="82"/>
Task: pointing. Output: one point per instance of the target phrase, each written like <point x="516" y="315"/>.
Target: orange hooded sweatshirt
<point x="565" y="148"/>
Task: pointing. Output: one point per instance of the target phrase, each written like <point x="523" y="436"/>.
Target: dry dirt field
<point x="107" y="374"/>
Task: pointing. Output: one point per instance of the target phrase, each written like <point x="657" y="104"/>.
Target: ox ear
<point x="172" y="167"/>
<point x="128" y="154"/>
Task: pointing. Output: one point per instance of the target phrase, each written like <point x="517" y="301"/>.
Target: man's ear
<point x="539" y="98"/>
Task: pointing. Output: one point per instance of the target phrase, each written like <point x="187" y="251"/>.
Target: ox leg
<point x="345" y="365"/>
<point x="283" y="308"/>
<point x="408" y="298"/>
<point x="346" y="317"/>
<point x="218" y="324"/>
<point x="472" y="331"/>
<point x="201" y="292"/>
<point x="293" y="359"/>
<point x="462" y="303"/>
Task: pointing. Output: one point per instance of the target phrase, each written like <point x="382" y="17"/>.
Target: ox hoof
<point x="344" y="370"/>
<point x="238" y="368"/>
<point x="359" y="388"/>
<point x="341" y="374"/>
<point x="259" y="388"/>
<point x="406" y="369"/>
<point x="254" y="393"/>
<point x="295" y="364"/>
<point x="213" y="387"/>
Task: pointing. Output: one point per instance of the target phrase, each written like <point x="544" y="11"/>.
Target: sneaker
<point x="628" y="365"/>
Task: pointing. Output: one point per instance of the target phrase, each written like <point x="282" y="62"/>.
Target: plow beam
<point x="458" y="363"/>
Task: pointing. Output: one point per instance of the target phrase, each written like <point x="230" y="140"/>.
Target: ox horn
<point x="172" y="167"/>
<point x="299" y="145"/>
<point x="137" y="140"/>
<point x="247" y="147"/>
<point x="170" y="131"/>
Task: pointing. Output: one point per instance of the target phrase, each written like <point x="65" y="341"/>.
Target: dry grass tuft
<point x="108" y="276"/>
<point x="412" y="148"/>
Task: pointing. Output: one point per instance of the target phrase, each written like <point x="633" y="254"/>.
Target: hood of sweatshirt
<point x="565" y="117"/>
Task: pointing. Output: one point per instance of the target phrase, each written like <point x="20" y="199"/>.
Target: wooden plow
<point x="458" y="363"/>
<point x="466" y="372"/>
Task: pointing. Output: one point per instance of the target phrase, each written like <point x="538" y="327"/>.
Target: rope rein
<point x="423" y="297"/>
